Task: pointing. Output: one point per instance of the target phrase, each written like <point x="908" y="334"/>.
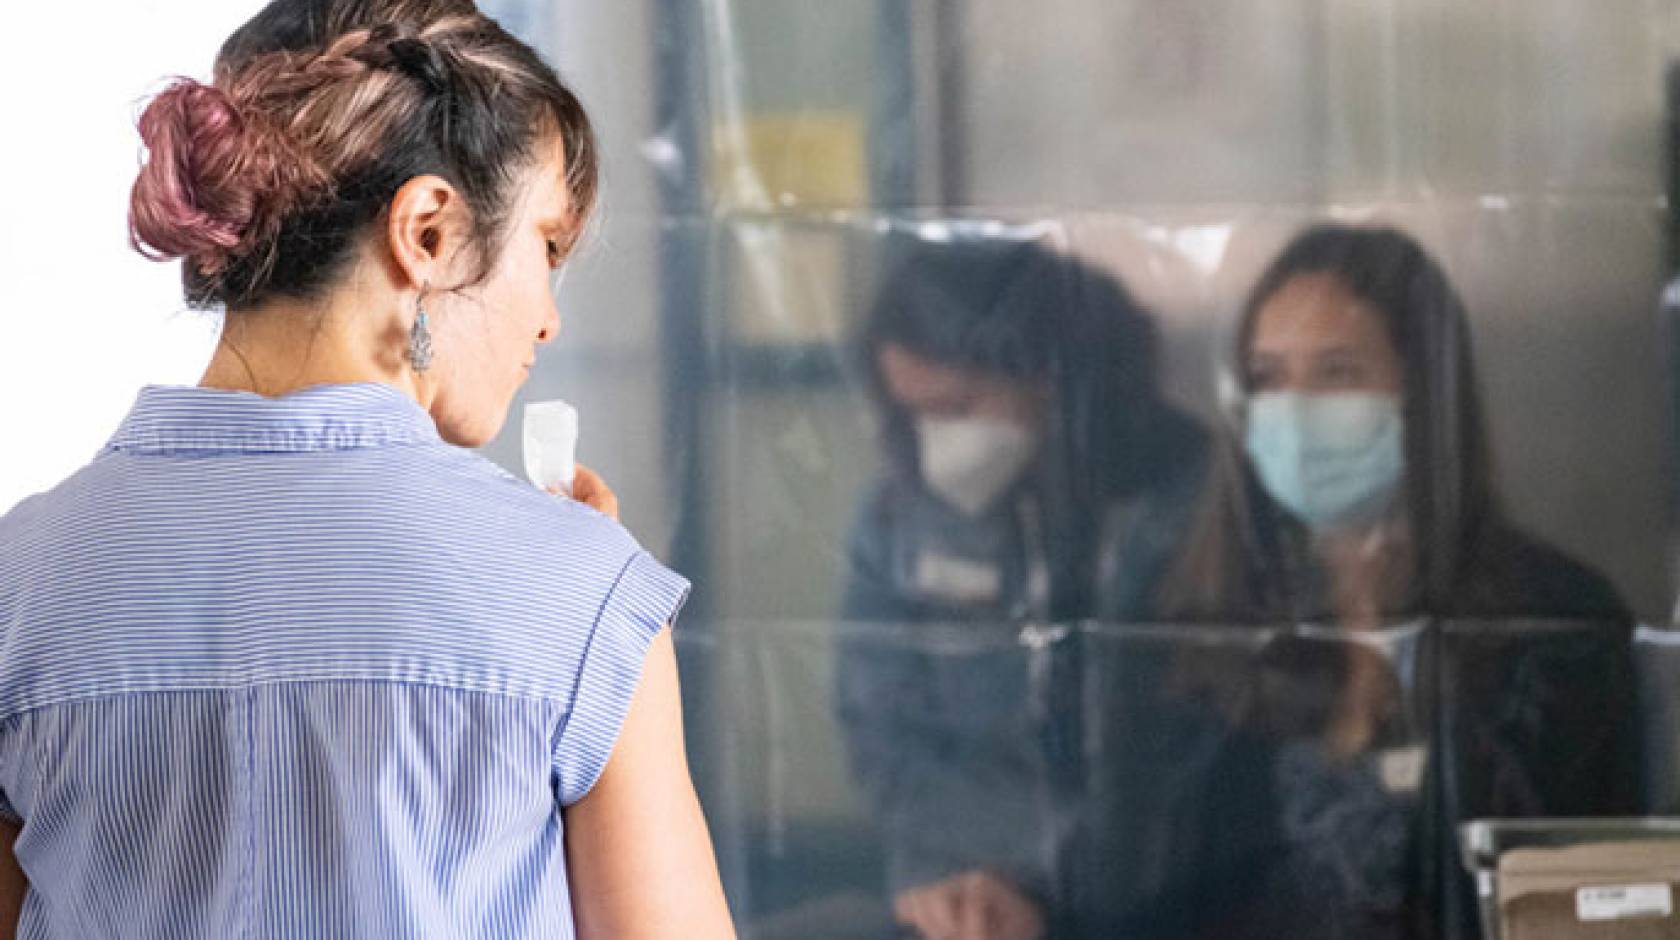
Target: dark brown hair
<point x="1238" y="564"/>
<point x="320" y="110"/>
<point x="1022" y="311"/>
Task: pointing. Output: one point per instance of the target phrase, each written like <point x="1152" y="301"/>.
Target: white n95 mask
<point x="1332" y="460"/>
<point x="551" y="430"/>
<point x="970" y="462"/>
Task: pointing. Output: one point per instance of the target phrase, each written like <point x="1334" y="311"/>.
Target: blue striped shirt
<point x="296" y="667"/>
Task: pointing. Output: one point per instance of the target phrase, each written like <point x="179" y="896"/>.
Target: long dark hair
<point x="1238" y="562"/>
<point x="1024" y="311"/>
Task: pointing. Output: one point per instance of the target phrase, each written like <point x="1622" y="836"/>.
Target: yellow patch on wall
<point x="808" y="159"/>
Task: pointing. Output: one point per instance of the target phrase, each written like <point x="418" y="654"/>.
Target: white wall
<point x="85" y="321"/>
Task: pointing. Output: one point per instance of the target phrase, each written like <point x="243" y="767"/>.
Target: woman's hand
<point x="589" y="489"/>
<point x="973" y="905"/>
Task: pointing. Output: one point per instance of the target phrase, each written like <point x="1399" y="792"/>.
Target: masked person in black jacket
<point x="1032" y="473"/>
<point x="1458" y="667"/>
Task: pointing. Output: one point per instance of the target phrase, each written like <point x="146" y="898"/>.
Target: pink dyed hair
<point x="212" y="180"/>
<point x="320" y="109"/>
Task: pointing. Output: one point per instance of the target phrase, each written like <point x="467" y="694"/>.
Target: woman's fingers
<point x="589" y="489"/>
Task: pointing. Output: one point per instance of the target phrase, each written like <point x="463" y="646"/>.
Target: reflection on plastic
<point x="1105" y="224"/>
<point x="1158" y="781"/>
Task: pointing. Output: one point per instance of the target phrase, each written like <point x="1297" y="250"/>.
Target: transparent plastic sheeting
<point x="911" y="328"/>
<point x="1490" y="384"/>
<point x="886" y="447"/>
<point x="953" y="427"/>
<point x="1240" y="782"/>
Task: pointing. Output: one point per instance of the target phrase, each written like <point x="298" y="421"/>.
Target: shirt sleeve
<point x="646" y="597"/>
<point x="12" y="747"/>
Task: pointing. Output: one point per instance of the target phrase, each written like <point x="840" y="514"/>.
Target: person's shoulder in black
<point x="1511" y="574"/>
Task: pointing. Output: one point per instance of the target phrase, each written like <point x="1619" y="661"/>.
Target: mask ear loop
<point x="420" y="336"/>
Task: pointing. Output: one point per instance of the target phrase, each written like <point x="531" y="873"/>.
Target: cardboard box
<point x="1594" y="891"/>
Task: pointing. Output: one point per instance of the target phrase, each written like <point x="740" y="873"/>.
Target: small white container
<point x="551" y="431"/>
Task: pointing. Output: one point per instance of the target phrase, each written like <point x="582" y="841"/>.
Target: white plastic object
<point x="551" y="430"/>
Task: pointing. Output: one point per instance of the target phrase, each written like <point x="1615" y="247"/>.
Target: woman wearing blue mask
<point x="1363" y="498"/>
<point x="1366" y="487"/>
<point x="1017" y="402"/>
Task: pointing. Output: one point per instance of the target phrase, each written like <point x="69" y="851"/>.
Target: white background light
<point x="84" y="321"/>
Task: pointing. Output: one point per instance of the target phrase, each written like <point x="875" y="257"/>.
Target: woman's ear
<point x="426" y="230"/>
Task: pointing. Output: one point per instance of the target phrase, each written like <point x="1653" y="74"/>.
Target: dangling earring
<point x="420" y="340"/>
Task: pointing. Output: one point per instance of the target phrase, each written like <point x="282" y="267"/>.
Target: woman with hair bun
<point x="286" y="659"/>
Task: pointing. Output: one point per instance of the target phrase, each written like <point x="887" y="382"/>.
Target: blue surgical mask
<point x="1333" y="460"/>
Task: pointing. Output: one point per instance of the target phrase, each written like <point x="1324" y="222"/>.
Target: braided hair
<point x="319" y="111"/>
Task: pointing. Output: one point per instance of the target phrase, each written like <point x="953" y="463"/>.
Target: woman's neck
<point x="1370" y="570"/>
<point x="286" y="345"/>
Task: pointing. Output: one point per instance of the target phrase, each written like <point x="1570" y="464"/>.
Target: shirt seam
<point x="37" y="754"/>
<point x="252" y="687"/>
<point x="333" y="421"/>
<point x="253" y="910"/>
<point x="583" y="659"/>
<point x="196" y="448"/>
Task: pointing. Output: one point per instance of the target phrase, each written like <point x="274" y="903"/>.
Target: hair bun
<point x="195" y="196"/>
<point x="214" y="182"/>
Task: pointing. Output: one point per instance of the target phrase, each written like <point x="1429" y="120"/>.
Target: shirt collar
<point x="175" y="418"/>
